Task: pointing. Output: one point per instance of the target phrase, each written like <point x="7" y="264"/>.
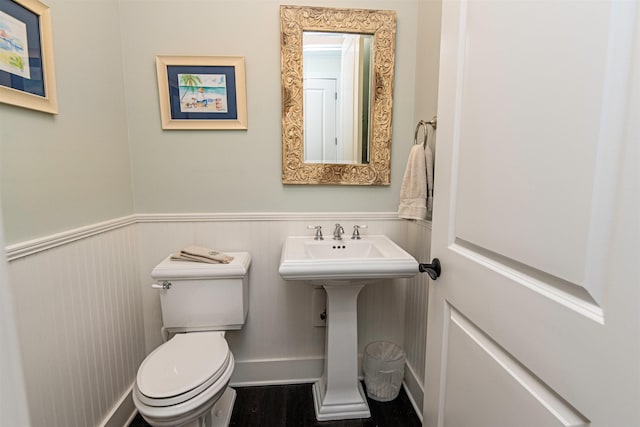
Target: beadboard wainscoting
<point x="418" y="244"/>
<point x="278" y="343"/>
<point x="77" y="303"/>
<point x="87" y="315"/>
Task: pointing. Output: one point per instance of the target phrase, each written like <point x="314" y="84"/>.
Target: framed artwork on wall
<point x="202" y="92"/>
<point x="27" y="77"/>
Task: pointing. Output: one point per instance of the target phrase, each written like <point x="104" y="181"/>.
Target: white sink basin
<point x="372" y="257"/>
<point x="319" y="249"/>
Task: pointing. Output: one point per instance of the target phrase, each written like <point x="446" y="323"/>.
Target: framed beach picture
<point x="202" y="92"/>
<point x="27" y="76"/>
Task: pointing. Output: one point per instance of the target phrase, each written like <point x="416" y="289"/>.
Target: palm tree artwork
<point x="191" y="81"/>
<point x="202" y="93"/>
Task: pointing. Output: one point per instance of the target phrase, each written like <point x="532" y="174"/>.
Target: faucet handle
<point x="318" y="229"/>
<point x="356" y="231"/>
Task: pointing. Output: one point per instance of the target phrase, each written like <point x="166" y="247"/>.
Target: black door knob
<point x="433" y="269"/>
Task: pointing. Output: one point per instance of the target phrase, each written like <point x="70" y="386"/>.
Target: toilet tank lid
<point x="174" y="270"/>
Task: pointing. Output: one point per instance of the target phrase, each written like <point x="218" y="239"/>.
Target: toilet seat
<point x="185" y="412"/>
<point x="182" y="368"/>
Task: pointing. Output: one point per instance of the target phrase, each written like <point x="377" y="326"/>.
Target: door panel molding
<point x="540" y="404"/>
<point x="570" y="295"/>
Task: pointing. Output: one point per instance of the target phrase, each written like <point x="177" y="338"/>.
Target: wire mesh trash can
<point x="383" y="367"/>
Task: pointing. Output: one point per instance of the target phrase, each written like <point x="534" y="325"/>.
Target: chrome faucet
<point x="338" y="232"/>
<point x="318" y="229"/>
<point x="356" y="231"/>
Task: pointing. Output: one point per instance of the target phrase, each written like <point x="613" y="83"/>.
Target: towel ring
<point x="422" y="124"/>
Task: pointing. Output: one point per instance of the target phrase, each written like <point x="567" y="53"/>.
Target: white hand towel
<point x="200" y="254"/>
<point x="428" y="158"/>
<point x="413" y="192"/>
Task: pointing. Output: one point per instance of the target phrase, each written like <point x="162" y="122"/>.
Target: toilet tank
<point x="204" y="297"/>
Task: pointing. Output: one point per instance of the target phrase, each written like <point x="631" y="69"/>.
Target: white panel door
<point x="535" y="320"/>
<point x="320" y="142"/>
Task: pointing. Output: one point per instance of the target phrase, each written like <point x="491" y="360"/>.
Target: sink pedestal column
<point x="338" y="395"/>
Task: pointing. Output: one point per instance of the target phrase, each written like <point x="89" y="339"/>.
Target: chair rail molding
<point x="33" y="246"/>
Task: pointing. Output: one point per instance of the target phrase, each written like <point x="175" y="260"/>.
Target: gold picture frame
<point x="202" y="92"/>
<point x="27" y="76"/>
<point x="381" y="24"/>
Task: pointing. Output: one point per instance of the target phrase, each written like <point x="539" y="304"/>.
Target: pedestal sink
<point x="343" y="268"/>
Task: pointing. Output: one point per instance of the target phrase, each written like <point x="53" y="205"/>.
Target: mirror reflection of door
<point x="345" y="59"/>
<point x="320" y="138"/>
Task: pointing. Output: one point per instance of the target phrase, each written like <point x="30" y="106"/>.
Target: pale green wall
<point x="239" y="171"/>
<point x="105" y="155"/>
<point x="427" y="59"/>
<point x="72" y="169"/>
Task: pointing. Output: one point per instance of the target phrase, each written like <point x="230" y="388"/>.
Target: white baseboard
<point x="277" y="371"/>
<point x="123" y="411"/>
<point x="249" y="373"/>
<point x="414" y="388"/>
<point x="246" y="373"/>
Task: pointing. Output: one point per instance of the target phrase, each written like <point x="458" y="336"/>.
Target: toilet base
<point x="220" y="414"/>
<point x="221" y="411"/>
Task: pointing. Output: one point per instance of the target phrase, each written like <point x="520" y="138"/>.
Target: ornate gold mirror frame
<point x="382" y="25"/>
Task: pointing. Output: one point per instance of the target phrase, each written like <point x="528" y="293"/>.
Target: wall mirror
<point x="337" y="84"/>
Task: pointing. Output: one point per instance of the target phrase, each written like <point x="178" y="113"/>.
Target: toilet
<point x="184" y="382"/>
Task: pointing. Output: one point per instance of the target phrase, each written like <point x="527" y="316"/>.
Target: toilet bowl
<point x="183" y="379"/>
<point x="184" y="382"/>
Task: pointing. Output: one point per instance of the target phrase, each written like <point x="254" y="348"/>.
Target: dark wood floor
<point x="292" y="406"/>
